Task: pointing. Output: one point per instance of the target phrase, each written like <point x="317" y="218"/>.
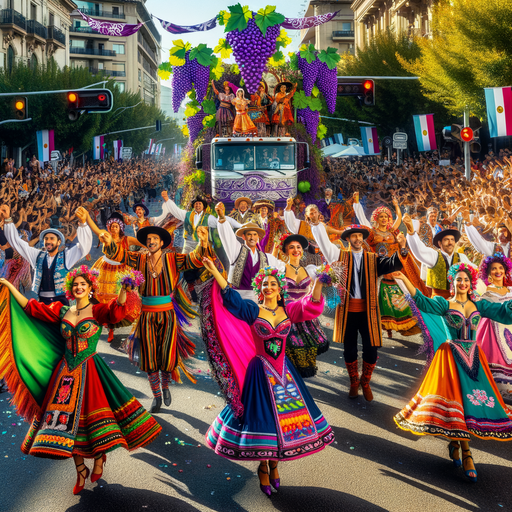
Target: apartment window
<point x="140" y="75"/>
<point x="120" y="86"/>
<point x="118" y="48"/>
<point x="77" y="43"/>
<point x="115" y="10"/>
<point x="100" y="65"/>
<point x="118" y="66"/>
<point x="33" y="11"/>
<point x="52" y="20"/>
<point x="346" y="26"/>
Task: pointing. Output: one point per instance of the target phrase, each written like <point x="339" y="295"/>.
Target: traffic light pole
<point x="467" y="154"/>
<point x="16" y="120"/>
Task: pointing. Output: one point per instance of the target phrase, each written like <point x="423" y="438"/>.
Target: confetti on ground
<point x="210" y="407"/>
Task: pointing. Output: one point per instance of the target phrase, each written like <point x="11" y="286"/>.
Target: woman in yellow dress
<point x="243" y="124"/>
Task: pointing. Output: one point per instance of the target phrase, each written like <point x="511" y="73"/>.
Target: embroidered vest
<point x="437" y="275"/>
<point x="53" y="278"/>
<point x="190" y="231"/>
<point x="243" y="269"/>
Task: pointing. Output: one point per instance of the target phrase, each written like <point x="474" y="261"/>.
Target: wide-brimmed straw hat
<point x="250" y="226"/>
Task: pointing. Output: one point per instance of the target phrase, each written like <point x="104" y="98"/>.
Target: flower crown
<point x="82" y="270"/>
<point x="497" y="257"/>
<point x="119" y="222"/>
<point x="280" y="239"/>
<point x="270" y="271"/>
<point x="378" y="211"/>
<point x="130" y="277"/>
<point x="470" y="270"/>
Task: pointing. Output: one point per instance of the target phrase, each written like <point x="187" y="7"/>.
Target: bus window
<point x="263" y="158"/>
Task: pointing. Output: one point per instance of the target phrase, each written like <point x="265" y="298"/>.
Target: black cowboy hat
<point x="118" y="216"/>
<point x="303" y="241"/>
<point x="289" y="86"/>
<point x="199" y="199"/>
<point x="355" y="228"/>
<point x="142" y="235"/>
<point x="447" y="232"/>
<point x="144" y="207"/>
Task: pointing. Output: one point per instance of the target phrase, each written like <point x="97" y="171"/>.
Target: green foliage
<point x="308" y="53"/>
<point x="329" y="57"/>
<point x="50" y="112"/>
<point x="239" y="18"/>
<point x="267" y="17"/>
<point x="202" y="54"/>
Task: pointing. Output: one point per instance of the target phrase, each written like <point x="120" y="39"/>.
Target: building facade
<point x="372" y="16"/>
<point x="131" y="61"/>
<point x="35" y="30"/>
<point x="337" y="33"/>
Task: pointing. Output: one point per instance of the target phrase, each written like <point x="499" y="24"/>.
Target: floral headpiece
<point x="83" y="270"/>
<point x="280" y="239"/>
<point x="270" y="271"/>
<point x="378" y="211"/>
<point x="470" y="270"/>
<point x="485" y="268"/>
<point x="119" y="222"/>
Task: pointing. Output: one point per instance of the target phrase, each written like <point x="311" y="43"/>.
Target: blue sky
<point x="192" y="12"/>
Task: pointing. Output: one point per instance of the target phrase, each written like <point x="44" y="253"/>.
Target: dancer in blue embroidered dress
<point x="271" y="416"/>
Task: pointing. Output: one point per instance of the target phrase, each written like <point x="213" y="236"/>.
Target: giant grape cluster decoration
<point x="309" y="72"/>
<point x="311" y="118"/>
<point x="195" y="124"/>
<point x="200" y="76"/>
<point x="327" y="83"/>
<point x="181" y="83"/>
<point x="252" y="50"/>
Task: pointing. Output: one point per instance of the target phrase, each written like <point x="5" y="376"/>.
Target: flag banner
<point x="45" y="145"/>
<point x="163" y="153"/>
<point x="182" y="29"/>
<point x="338" y="138"/>
<point x="425" y="132"/>
<point x="118" y="150"/>
<point x="153" y="149"/>
<point x="499" y="110"/>
<point x="150" y="146"/>
<point x="370" y="140"/>
<point x="310" y="21"/>
<point x="158" y="149"/>
<point x="97" y="147"/>
<point x="108" y="28"/>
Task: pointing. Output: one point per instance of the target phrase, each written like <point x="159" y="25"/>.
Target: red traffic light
<point x="466" y="134"/>
<point x="367" y="85"/>
<point x="101" y="97"/>
<point x="72" y="97"/>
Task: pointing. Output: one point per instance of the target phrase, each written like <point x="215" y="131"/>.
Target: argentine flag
<point x="370" y="140"/>
<point x="425" y="133"/>
<point x="499" y="110"/>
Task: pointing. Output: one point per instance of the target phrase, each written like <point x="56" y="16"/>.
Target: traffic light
<point x="475" y="124"/>
<point x="363" y="89"/>
<point x="88" y="100"/>
<point x="158" y="125"/>
<point x="369" y="92"/>
<point x="466" y="134"/>
<point x="20" y="108"/>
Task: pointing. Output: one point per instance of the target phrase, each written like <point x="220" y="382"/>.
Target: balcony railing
<point x="106" y="72"/>
<point x="84" y="30"/>
<point x="12" y="17"/>
<point x="92" y="51"/>
<point x="149" y="69"/>
<point x="343" y="33"/>
<point x="103" y="14"/>
<point x="35" y="28"/>
<point x="146" y="17"/>
<point x="146" y="47"/>
<point x="56" y="34"/>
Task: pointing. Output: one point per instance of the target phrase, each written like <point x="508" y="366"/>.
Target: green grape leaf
<point x="202" y="54"/>
<point x="321" y="131"/>
<point x="223" y="17"/>
<point x="329" y="57"/>
<point x="216" y="68"/>
<point x="165" y="70"/>
<point x="209" y="107"/>
<point x="315" y="104"/>
<point x="267" y="17"/>
<point x="277" y="59"/>
<point x="294" y="61"/>
<point x="209" y="121"/>
<point x="192" y="109"/>
<point x="223" y="48"/>
<point x="239" y="18"/>
<point x="308" y="53"/>
<point x="234" y="69"/>
<point x="315" y="92"/>
<point x="300" y="100"/>
<point x="178" y="51"/>
<point x="192" y="95"/>
<point x="242" y="82"/>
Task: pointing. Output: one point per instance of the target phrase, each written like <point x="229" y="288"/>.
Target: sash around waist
<point x="356" y="305"/>
<point x="157" y="303"/>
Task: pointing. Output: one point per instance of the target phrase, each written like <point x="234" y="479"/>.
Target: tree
<point x="471" y="49"/>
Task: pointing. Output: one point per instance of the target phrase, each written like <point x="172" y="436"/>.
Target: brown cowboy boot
<point x="354" y="379"/>
<point x="365" y="380"/>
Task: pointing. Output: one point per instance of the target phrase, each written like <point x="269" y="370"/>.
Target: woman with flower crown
<point x="270" y="414"/>
<point x="458" y="397"/>
<point x="77" y="406"/>
<point x="494" y="338"/>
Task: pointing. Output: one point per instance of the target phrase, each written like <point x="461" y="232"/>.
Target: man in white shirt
<point x="50" y="265"/>
<point x="245" y="260"/>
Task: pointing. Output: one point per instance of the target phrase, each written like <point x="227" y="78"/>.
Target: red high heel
<point x="110" y="338"/>
<point x="96" y="476"/>
<point x="78" y="488"/>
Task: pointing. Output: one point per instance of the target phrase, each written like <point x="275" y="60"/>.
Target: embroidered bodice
<point x="383" y="244"/>
<point x="496" y="297"/>
<point x="297" y="290"/>
<point x="465" y="327"/>
<point x="271" y="341"/>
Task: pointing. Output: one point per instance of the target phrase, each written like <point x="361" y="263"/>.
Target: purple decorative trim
<point x="428" y="342"/>
<point x="107" y="28"/>
<point x="309" y="22"/>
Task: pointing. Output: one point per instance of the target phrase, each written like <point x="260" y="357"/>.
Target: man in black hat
<point x="359" y="311"/>
<point x="163" y="346"/>
<point x="143" y="219"/>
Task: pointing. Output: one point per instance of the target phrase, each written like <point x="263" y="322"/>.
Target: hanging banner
<point x="499" y="110"/>
<point x="97" y="147"/>
<point x="45" y="145"/>
<point x="182" y="29"/>
<point x="108" y="28"/>
<point x="118" y="149"/>
<point x="370" y="140"/>
<point x="150" y="146"/>
<point x="310" y="21"/>
<point x="425" y="132"/>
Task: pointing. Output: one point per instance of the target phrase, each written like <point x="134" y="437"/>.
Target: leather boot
<point x="167" y="396"/>
<point x="156" y="405"/>
<point x="365" y="380"/>
<point x="354" y="379"/>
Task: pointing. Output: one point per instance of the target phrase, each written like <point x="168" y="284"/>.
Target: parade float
<point x="253" y="125"/>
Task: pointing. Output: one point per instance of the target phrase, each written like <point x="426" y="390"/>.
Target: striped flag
<point x="97" y="147"/>
<point x="370" y="140"/>
<point x="151" y="145"/>
<point x="425" y="133"/>
<point x="499" y="110"/>
<point x="118" y="149"/>
<point x="45" y="145"/>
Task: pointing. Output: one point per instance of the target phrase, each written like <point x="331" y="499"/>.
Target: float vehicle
<point x="254" y="167"/>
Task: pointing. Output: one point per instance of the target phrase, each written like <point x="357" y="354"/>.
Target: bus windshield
<point x="250" y="157"/>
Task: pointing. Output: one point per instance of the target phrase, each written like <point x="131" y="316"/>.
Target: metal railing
<point x="83" y="30"/>
<point x="103" y="14"/>
<point x="92" y="51"/>
<point x="343" y="33"/>
<point x="146" y="47"/>
<point x="106" y="72"/>
<point x="147" y="67"/>
<point x="12" y="17"/>
<point x="34" y="27"/>
<point x="146" y="17"/>
<point x="56" y="34"/>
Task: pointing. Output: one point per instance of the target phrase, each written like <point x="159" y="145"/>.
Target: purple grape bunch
<point x="181" y="83"/>
<point x="327" y="83"/>
<point x="195" y="125"/>
<point x="311" y="119"/>
<point x="252" y="50"/>
<point x="200" y="76"/>
<point x="310" y="73"/>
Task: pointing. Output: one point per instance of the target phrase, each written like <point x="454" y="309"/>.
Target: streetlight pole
<point x="467" y="154"/>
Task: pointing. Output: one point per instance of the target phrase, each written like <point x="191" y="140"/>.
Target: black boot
<point x="156" y="405"/>
<point x="167" y="396"/>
